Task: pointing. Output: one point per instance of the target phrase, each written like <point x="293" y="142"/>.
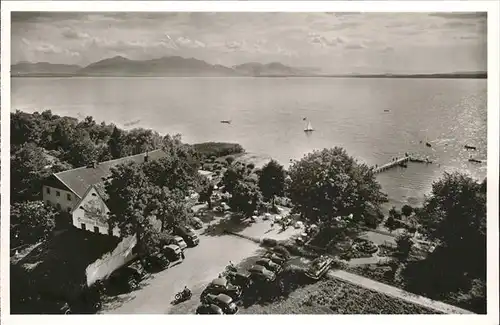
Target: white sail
<point x="308" y="127"/>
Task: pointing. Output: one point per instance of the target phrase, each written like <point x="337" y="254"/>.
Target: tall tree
<point x="30" y="222"/>
<point x="330" y="183"/>
<point x="272" y="180"/>
<point x="82" y="151"/>
<point x="404" y="244"/>
<point x="115" y="143"/>
<point x="231" y="178"/>
<point x="245" y="197"/>
<point x="28" y="170"/>
<point x="205" y="190"/>
<point x="455" y="216"/>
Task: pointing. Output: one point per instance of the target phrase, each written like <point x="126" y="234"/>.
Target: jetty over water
<point x="394" y="163"/>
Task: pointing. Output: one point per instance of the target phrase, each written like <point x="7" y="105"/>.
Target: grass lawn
<point x="336" y="297"/>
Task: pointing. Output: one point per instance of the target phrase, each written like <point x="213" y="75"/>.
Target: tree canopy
<point x="330" y="183"/>
<point x="272" y="180"/>
<point x="30" y="222"/>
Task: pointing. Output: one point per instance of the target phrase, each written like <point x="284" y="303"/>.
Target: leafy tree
<point x="31" y="222"/>
<point x="330" y="183"/>
<point x="231" y="178"/>
<point x="394" y="213"/>
<point x="272" y="180"/>
<point x="24" y="128"/>
<point x="245" y="198"/>
<point x="128" y="192"/>
<point x="172" y="172"/>
<point x="205" y="189"/>
<point x="229" y="160"/>
<point x="82" y="152"/>
<point x="391" y="224"/>
<point x="406" y="210"/>
<point x="115" y="143"/>
<point x="404" y="244"/>
<point x="27" y="172"/>
<point x="455" y="216"/>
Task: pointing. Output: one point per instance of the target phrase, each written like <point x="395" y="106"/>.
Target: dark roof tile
<point x="80" y="179"/>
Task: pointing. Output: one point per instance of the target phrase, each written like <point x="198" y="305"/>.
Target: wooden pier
<point x="392" y="164"/>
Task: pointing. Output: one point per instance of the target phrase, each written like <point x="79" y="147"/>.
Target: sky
<point x="331" y="42"/>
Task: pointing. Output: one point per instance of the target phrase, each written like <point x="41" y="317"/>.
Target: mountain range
<point x="165" y="66"/>
<point x="176" y="66"/>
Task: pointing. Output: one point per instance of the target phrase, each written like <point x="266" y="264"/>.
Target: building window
<point x="68" y="196"/>
<point x="84" y="227"/>
<point x="48" y="190"/>
<point x="58" y="206"/>
<point x="96" y="229"/>
<point x="58" y="193"/>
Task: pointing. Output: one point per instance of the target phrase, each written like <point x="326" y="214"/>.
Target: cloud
<point x="190" y="43"/>
<point x="73" y="34"/>
<point x="324" y="41"/>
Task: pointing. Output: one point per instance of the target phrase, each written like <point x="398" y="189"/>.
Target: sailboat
<point x="308" y="127"/>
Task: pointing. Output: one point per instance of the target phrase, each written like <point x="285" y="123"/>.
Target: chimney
<point x="146" y="157"/>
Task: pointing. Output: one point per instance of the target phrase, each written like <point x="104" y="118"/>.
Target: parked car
<point x="240" y="279"/>
<point x="225" y="302"/>
<point x="196" y="223"/>
<point x="155" y="262"/>
<point x="172" y="252"/>
<point x="221" y="285"/>
<point x="276" y="258"/>
<point x="123" y="280"/>
<point x="188" y="235"/>
<point x="211" y="309"/>
<point x="319" y="267"/>
<point x="177" y="240"/>
<point x="270" y="265"/>
<point x="260" y="273"/>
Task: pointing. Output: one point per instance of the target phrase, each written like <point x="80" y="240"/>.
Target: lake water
<point x="267" y="115"/>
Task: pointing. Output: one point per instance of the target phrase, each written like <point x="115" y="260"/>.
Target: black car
<point x="270" y="265"/>
<point x="276" y="258"/>
<point x="225" y="302"/>
<point x="207" y="309"/>
<point x="188" y="235"/>
<point x="221" y="285"/>
<point x="240" y="279"/>
<point x="155" y="263"/>
<point x="260" y="273"/>
<point x="124" y="279"/>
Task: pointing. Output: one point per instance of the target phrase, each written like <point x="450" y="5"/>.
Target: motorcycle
<point x="183" y="296"/>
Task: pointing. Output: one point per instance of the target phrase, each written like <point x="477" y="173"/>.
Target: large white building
<point x="80" y="192"/>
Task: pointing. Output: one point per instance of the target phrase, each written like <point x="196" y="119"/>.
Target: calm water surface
<point x="267" y="114"/>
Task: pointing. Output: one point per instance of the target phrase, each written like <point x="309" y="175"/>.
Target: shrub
<point x="269" y="242"/>
<point x="406" y="210"/>
<point x="251" y="166"/>
<point x="229" y="160"/>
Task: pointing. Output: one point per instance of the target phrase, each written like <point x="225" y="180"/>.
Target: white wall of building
<point x="91" y="214"/>
<point x="58" y="198"/>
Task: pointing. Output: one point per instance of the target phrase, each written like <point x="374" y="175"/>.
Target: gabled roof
<point x="80" y="179"/>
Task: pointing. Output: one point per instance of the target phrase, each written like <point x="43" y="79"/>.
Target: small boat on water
<point x="226" y="121"/>
<point x="308" y="127"/>
<point x="428" y="144"/>
<point x="470" y="147"/>
<point x="475" y="160"/>
<point x="386" y="110"/>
